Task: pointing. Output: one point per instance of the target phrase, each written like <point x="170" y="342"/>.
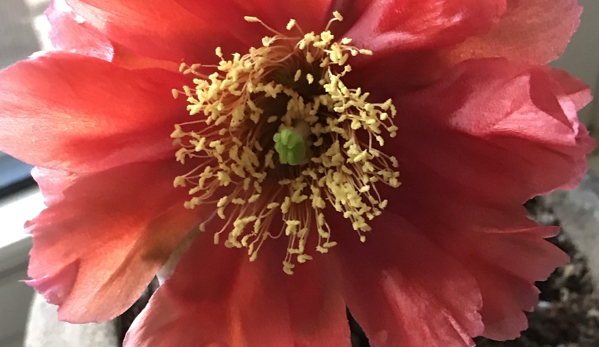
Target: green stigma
<point x="290" y="146"/>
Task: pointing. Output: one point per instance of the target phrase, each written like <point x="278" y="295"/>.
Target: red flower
<point x="481" y="127"/>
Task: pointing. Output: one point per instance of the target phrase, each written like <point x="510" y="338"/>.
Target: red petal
<point x="84" y="114"/>
<point x="506" y="267"/>
<point x="158" y="29"/>
<point x="69" y="32"/>
<point x="502" y="249"/>
<point x="398" y="72"/>
<point x="311" y="15"/>
<point x="216" y="297"/>
<point x="53" y="183"/>
<point x="578" y="91"/>
<point x="55" y="288"/>
<point x="405" y="291"/>
<point x="535" y="31"/>
<point x="495" y="132"/>
<point x="472" y="149"/>
<point x="97" y="248"/>
<point x="387" y="26"/>
<point x="125" y="57"/>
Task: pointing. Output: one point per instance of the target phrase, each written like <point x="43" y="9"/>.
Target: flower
<point x="408" y="169"/>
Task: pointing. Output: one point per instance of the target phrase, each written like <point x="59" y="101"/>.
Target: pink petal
<point x="159" y="29"/>
<point x="85" y="114"/>
<point x="56" y="288"/>
<point x="216" y="297"/>
<point x="506" y="267"/>
<point x="96" y="248"/>
<point x="400" y="25"/>
<point x="405" y="291"/>
<point x="53" y="183"/>
<point x="578" y="91"/>
<point x="491" y="121"/>
<point x="535" y="31"/>
<point x="506" y="256"/>
<point x="472" y="149"/>
<point x="70" y="33"/>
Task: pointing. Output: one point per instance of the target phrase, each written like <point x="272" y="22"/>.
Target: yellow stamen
<point x="237" y="112"/>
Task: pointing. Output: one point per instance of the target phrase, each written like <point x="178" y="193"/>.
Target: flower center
<point x="277" y="134"/>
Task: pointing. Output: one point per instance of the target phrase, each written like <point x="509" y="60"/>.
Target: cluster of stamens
<point x="278" y="133"/>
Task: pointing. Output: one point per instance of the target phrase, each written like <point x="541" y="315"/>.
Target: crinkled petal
<point x="534" y="31"/>
<point x="578" y="91"/>
<point x="389" y="26"/>
<point x="97" y="247"/>
<point x="499" y="132"/>
<point x="311" y="15"/>
<point x="405" y="291"/>
<point x="472" y="149"/>
<point x="84" y="114"/>
<point x="159" y="29"/>
<point x="69" y="32"/>
<point x="216" y="297"/>
<point x="506" y="265"/>
<point x="499" y="246"/>
<point x="57" y="286"/>
<point x="53" y="183"/>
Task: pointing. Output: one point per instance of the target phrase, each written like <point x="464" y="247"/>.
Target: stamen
<point x="284" y="103"/>
<point x="290" y="146"/>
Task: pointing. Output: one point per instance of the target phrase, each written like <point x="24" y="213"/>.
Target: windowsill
<point x="15" y="210"/>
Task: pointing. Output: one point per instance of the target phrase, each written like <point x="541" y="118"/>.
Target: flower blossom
<point x="279" y="161"/>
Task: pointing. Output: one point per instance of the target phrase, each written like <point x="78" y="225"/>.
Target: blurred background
<point x="23" y="29"/>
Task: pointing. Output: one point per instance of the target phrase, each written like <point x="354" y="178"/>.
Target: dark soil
<point x="567" y="314"/>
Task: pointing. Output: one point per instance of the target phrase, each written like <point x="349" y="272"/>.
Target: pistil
<point x="290" y="146"/>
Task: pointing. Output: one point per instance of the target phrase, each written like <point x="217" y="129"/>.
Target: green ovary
<point x="290" y="146"/>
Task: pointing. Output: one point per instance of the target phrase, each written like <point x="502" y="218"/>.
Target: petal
<point x="387" y="26"/>
<point x="506" y="267"/>
<point x="311" y="15"/>
<point x="502" y="249"/>
<point x="85" y="114"/>
<point x="494" y="122"/>
<point x="578" y="91"/>
<point x="97" y="248"/>
<point x="405" y="291"/>
<point x="396" y="73"/>
<point x="472" y="149"/>
<point x="70" y="32"/>
<point x="53" y="183"/>
<point x="126" y="57"/>
<point x="159" y="29"/>
<point x="534" y="31"/>
<point x="216" y="297"/>
<point x="56" y="287"/>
